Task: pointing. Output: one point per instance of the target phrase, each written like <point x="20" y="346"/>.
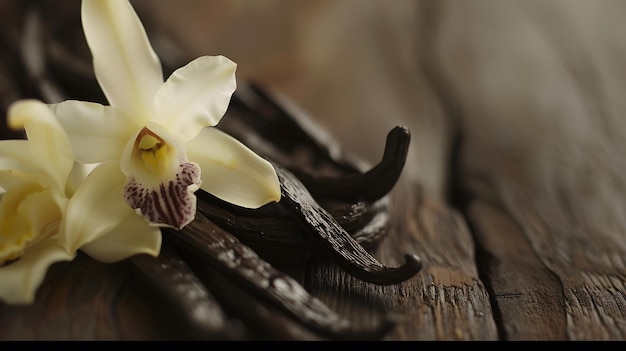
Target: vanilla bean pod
<point x="348" y="181"/>
<point x="268" y="320"/>
<point x="321" y="227"/>
<point x="369" y="186"/>
<point x="366" y="223"/>
<point x="248" y="227"/>
<point x="200" y="315"/>
<point x="211" y="245"/>
<point x="369" y="235"/>
<point x="263" y="321"/>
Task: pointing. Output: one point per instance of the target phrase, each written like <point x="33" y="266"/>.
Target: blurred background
<point x="355" y="66"/>
<point x="532" y="90"/>
<point x="529" y="92"/>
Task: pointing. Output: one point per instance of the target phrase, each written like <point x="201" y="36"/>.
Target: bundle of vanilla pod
<point x="223" y="275"/>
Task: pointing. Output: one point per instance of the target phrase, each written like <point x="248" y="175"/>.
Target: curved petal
<point x="15" y="229"/>
<point x="42" y="211"/>
<point x="231" y="171"/>
<point x="160" y="180"/>
<point x="28" y="215"/>
<point x="128" y="70"/>
<point x="196" y="95"/>
<point x="77" y="175"/>
<point x="133" y="236"/>
<point x="50" y="147"/>
<point x="16" y="155"/>
<point x="96" y="208"/>
<point x="97" y="133"/>
<point x="21" y="278"/>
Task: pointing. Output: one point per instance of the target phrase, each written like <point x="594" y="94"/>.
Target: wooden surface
<point x="520" y="222"/>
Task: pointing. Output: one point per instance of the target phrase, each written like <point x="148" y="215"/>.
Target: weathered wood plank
<point x="445" y="301"/>
<point x="542" y="126"/>
<point x="528" y="297"/>
<point x="88" y="300"/>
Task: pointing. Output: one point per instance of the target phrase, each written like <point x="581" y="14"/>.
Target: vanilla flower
<point x="50" y="208"/>
<point x="161" y="132"/>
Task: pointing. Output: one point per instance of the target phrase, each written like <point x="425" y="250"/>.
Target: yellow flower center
<point x="28" y="214"/>
<point x="153" y="150"/>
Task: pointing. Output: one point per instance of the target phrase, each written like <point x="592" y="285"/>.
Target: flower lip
<point x="171" y="203"/>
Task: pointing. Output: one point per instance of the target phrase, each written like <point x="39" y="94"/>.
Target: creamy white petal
<point x="96" y="208"/>
<point x="196" y="95"/>
<point x="28" y="226"/>
<point x="77" y="175"/>
<point x="133" y="236"/>
<point x="16" y="155"/>
<point x="160" y="180"/>
<point x="49" y="144"/>
<point x="21" y="278"/>
<point x="14" y="227"/>
<point x="231" y="171"/>
<point x="97" y="133"/>
<point x="128" y="70"/>
<point x="42" y="210"/>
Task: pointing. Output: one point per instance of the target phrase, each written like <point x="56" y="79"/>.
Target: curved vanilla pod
<point x="369" y="186"/>
<point x="209" y="244"/>
<point x="293" y="130"/>
<point x="317" y="224"/>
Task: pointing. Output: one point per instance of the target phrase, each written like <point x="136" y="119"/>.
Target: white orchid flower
<point x="161" y="132"/>
<point x="45" y="216"/>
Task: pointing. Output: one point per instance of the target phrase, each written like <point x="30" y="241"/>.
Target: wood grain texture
<point x="445" y="301"/>
<point x="528" y="297"/>
<point x="88" y="300"/>
<point x="542" y="127"/>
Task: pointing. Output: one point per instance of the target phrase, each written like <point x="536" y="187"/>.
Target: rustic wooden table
<point x="524" y="245"/>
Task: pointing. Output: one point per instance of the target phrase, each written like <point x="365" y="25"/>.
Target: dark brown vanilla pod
<point x="376" y="229"/>
<point x="365" y="222"/>
<point x="209" y="244"/>
<point x="269" y="321"/>
<point x="317" y="224"/>
<point x="271" y="230"/>
<point x="369" y="186"/>
<point x="199" y="315"/>
<point x="262" y="320"/>
<point x="352" y="217"/>
<point x="328" y="172"/>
